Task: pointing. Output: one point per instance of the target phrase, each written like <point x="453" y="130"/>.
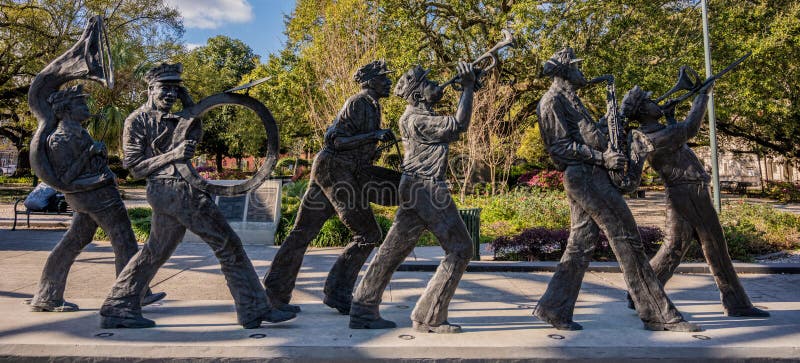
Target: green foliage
<point x="641" y="43"/>
<point x="511" y="213"/>
<point x="532" y="148"/>
<point x="755" y="229"/>
<point x="5" y="179"/>
<point x="333" y="233"/>
<point x="222" y="64"/>
<point x="784" y="192"/>
<point x="770" y="229"/>
<point x="140" y="222"/>
<point x="33" y="33"/>
<point x="285" y="166"/>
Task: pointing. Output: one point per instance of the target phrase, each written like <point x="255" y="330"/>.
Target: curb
<point x="611" y="267"/>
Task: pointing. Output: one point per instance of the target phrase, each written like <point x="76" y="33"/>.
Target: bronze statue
<point x="64" y="155"/>
<point x="690" y="213"/>
<point x="581" y="149"/>
<point x="150" y="152"/>
<point x="343" y="181"/>
<point x="425" y="203"/>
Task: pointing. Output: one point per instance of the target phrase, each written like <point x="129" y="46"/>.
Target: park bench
<point x="60" y="207"/>
<point x="733" y="186"/>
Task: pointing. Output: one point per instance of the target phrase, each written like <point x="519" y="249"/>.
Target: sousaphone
<point x="88" y="59"/>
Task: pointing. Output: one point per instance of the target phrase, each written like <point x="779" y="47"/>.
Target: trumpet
<point x="490" y="56"/>
<point x="689" y="80"/>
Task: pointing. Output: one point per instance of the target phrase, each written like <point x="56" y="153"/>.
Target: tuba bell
<point x="89" y="58"/>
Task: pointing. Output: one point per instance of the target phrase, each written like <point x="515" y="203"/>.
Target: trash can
<point x="472" y="218"/>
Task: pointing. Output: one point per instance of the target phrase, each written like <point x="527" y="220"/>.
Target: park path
<point x="197" y="322"/>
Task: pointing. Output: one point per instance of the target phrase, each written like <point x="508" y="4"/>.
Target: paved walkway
<point x="197" y="319"/>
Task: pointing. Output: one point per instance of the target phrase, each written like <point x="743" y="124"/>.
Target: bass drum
<point x="191" y="119"/>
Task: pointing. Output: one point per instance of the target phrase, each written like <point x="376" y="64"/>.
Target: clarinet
<point x="626" y="179"/>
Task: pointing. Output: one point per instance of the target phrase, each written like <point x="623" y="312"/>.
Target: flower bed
<point x="543" y="244"/>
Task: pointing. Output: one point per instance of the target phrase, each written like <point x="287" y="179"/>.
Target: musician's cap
<point x="561" y="59"/>
<point x="66" y="95"/>
<point x="632" y="100"/>
<point x="370" y="71"/>
<point x="409" y="81"/>
<point x="164" y="73"/>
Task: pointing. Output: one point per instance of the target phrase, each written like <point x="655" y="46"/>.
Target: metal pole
<point x="712" y="122"/>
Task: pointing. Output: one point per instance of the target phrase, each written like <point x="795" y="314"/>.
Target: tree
<point x="219" y="65"/>
<point x="639" y="42"/>
<point x="332" y="39"/>
<point x="32" y="33"/>
<point x="285" y="94"/>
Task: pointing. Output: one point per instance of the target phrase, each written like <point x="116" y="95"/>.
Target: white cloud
<point x="192" y="46"/>
<point x="211" y="14"/>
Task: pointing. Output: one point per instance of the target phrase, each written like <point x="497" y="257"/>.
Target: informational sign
<point x="254" y="216"/>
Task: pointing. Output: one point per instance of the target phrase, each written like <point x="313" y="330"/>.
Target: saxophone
<point x="634" y="147"/>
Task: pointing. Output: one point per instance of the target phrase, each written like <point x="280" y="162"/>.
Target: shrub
<point x="543" y="244"/>
<point x="757" y="229"/>
<point x="211" y="173"/>
<point x="510" y="213"/>
<point x="784" y="192"/>
<point x="332" y="234"/>
<point x="543" y="179"/>
<point x="5" y="179"/>
<point x="140" y="222"/>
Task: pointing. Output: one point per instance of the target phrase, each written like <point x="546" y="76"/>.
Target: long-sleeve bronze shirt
<point x="570" y="135"/>
<point x="674" y="161"/>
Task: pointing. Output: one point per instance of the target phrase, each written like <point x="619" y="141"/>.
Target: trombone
<point x="689" y="80"/>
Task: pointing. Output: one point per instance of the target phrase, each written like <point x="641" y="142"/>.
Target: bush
<point x="5" y="179"/>
<point x="210" y="173"/>
<point x="784" y="192"/>
<point x="140" y="222"/>
<point x="333" y="233"/>
<point x="543" y="179"/>
<point x="510" y="213"/>
<point x="543" y="244"/>
<point x="757" y="229"/>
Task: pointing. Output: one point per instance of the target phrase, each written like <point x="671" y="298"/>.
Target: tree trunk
<point x="219" y="162"/>
<point x="23" y="162"/>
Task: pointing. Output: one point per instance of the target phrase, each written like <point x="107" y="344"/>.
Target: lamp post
<point x="712" y="122"/>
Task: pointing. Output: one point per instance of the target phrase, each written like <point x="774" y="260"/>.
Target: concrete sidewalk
<point x="197" y="320"/>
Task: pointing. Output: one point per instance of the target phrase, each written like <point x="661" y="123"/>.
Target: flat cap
<point x="66" y="95"/>
<point x="370" y="71"/>
<point x="561" y="59"/>
<point x="164" y="73"/>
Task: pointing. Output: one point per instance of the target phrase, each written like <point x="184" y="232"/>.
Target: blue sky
<point x="258" y="23"/>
